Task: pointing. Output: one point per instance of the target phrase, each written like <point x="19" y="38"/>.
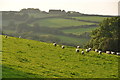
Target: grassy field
<point x="60" y="22"/>
<point x="67" y="39"/>
<point x="79" y="30"/>
<point x="71" y="40"/>
<point x="91" y="18"/>
<point x="7" y="22"/>
<point x="43" y="15"/>
<point x="22" y="58"/>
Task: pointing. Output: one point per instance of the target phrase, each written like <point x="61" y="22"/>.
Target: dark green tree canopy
<point x="107" y="36"/>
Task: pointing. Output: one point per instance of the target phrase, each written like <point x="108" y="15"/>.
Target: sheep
<point x="78" y="46"/>
<point x="19" y="36"/>
<point x="108" y="52"/>
<point x="100" y="52"/>
<point x="118" y="53"/>
<point x="63" y="46"/>
<point x="87" y="50"/>
<point x="55" y="44"/>
<point x="77" y="50"/>
<point x="82" y="52"/>
<point x="112" y="52"/>
<point x="96" y="50"/>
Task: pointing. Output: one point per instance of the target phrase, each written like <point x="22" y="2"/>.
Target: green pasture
<point x="7" y="22"/>
<point x="67" y="39"/>
<point x="91" y="18"/>
<point x="79" y="31"/>
<point x="60" y="22"/>
<point x="72" y="40"/>
<point x="22" y="58"/>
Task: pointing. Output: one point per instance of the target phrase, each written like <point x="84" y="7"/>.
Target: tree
<point x="107" y="36"/>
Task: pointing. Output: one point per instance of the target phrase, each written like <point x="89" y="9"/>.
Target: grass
<point x="79" y="30"/>
<point x="71" y="40"/>
<point x="7" y="22"/>
<point x="43" y="15"/>
<point x="60" y="22"/>
<point x="67" y="39"/>
<point x="28" y="58"/>
<point x="91" y="18"/>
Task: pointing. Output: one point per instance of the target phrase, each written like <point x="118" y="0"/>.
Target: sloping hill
<point x="34" y="59"/>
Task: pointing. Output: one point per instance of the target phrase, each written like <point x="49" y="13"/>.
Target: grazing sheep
<point x="96" y="50"/>
<point x="78" y="46"/>
<point x="77" y="50"/>
<point x="118" y="53"/>
<point x="87" y="50"/>
<point x="63" y="46"/>
<point x="108" y="52"/>
<point x="19" y="36"/>
<point x="100" y="52"/>
<point x="112" y="52"/>
<point x="82" y="52"/>
<point x="55" y="44"/>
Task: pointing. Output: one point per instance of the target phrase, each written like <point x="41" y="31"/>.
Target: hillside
<point x="22" y="58"/>
<point x="51" y="27"/>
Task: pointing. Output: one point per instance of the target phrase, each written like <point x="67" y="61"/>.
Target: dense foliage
<point x="107" y="37"/>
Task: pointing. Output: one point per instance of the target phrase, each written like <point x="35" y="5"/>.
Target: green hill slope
<point x="60" y="22"/>
<point x="22" y="58"/>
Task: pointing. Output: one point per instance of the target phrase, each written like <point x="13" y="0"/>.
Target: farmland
<point x="60" y="22"/>
<point x="79" y="30"/>
<point x="69" y="40"/>
<point x="91" y="18"/>
<point x="24" y="58"/>
<point x="65" y="28"/>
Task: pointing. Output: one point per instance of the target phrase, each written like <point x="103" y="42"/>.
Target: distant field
<point x="91" y="18"/>
<point x="33" y="59"/>
<point x="42" y="15"/>
<point x="67" y="39"/>
<point x="6" y="22"/>
<point x="79" y="30"/>
<point x="71" y="40"/>
<point x="59" y="22"/>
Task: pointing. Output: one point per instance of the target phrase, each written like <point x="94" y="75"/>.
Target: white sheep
<point x="78" y="46"/>
<point x="19" y="36"/>
<point x="118" y="53"/>
<point x="82" y="52"/>
<point x="96" y="50"/>
<point x="54" y="44"/>
<point x="77" y="50"/>
<point x="108" y="52"/>
<point x="112" y="52"/>
<point x="63" y="46"/>
<point x="100" y="52"/>
<point x="87" y="50"/>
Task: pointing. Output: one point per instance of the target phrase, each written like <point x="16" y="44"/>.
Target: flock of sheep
<point x="88" y="50"/>
<point x="82" y="52"/>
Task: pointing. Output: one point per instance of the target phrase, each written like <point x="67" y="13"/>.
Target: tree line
<point x="107" y="36"/>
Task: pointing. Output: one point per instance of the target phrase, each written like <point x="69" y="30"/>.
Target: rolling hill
<point x="49" y="27"/>
<point x="60" y="22"/>
<point x="23" y="58"/>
